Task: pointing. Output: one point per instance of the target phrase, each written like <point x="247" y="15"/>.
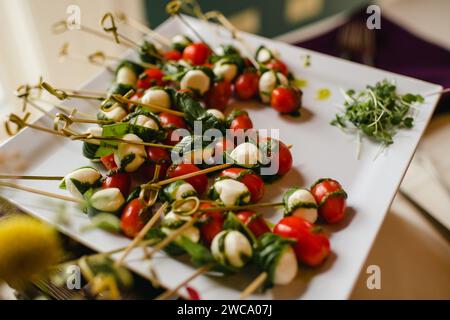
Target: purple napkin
<point x="399" y="51"/>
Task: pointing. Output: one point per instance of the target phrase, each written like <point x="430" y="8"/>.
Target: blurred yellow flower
<point x="27" y="248"/>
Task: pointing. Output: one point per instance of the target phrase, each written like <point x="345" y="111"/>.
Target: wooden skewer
<point x="61" y="27"/>
<point x="173" y="8"/>
<point x="65" y="54"/>
<point x="171" y="292"/>
<point x="193" y="174"/>
<point x="243" y="207"/>
<point x="235" y="34"/>
<point x="101" y="57"/>
<point x="142" y="233"/>
<point x="112" y="28"/>
<point x="143" y="28"/>
<point x="252" y="287"/>
<point x="63" y="95"/>
<point x="21" y="177"/>
<point x="168" y="240"/>
<point x="151" y="106"/>
<point x="43" y="193"/>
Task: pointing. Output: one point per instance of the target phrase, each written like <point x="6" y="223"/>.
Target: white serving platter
<point x="319" y="150"/>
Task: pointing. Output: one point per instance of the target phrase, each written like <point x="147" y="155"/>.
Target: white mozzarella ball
<point x="196" y="80"/>
<point x="191" y="233"/>
<point x="268" y="82"/>
<point x="264" y="55"/>
<point x="185" y="188"/>
<point x="232" y="192"/>
<point x="225" y="70"/>
<point x="158" y="97"/>
<point x="181" y="40"/>
<point x="216" y="113"/>
<point x="107" y="200"/>
<point x="115" y="113"/>
<point x="144" y="121"/>
<point x="246" y="154"/>
<point x="286" y="268"/>
<point x="96" y="131"/>
<point x="236" y="250"/>
<point x="126" y="76"/>
<point x="302" y="197"/>
<point x="124" y="150"/>
<point x="88" y="176"/>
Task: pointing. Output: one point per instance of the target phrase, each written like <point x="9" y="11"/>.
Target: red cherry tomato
<point x="331" y="199"/>
<point x="172" y="122"/>
<point x="278" y="65"/>
<point x="241" y="121"/>
<point x="122" y="181"/>
<point x="199" y="182"/>
<point x="173" y="55"/>
<point x="252" y="181"/>
<point x="285" y="100"/>
<point x="196" y="53"/>
<point x="150" y="78"/>
<point x="108" y="162"/>
<point x="311" y="248"/>
<point x="133" y="218"/>
<point x="254" y="222"/>
<point x="211" y="223"/>
<point x="158" y="155"/>
<point x="219" y="95"/>
<point x="279" y="154"/>
<point x="246" y="85"/>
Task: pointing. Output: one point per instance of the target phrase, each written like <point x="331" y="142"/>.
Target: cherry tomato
<point x="196" y="53"/>
<point x="312" y="247"/>
<point x="173" y="55"/>
<point x="219" y="95"/>
<point x="254" y="222"/>
<point x="331" y="199"/>
<point x="246" y="85"/>
<point x="252" y="181"/>
<point x="211" y="223"/>
<point x="286" y="100"/>
<point x="277" y="65"/>
<point x="108" y="162"/>
<point x="199" y="182"/>
<point x="279" y="154"/>
<point x="150" y="78"/>
<point x="133" y="218"/>
<point x="240" y="121"/>
<point x="172" y="122"/>
<point x="122" y="181"/>
<point x="158" y="155"/>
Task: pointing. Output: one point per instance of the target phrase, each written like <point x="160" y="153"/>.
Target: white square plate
<point x="319" y="150"/>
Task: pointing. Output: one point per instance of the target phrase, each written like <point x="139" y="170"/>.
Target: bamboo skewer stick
<point x="171" y="292"/>
<point x="243" y="207"/>
<point x="133" y="23"/>
<point x="21" y="177"/>
<point x="142" y="233"/>
<point x="152" y="106"/>
<point x="40" y="192"/>
<point x="253" y="286"/>
<point x="63" y="95"/>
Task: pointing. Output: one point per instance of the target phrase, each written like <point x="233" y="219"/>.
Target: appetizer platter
<point x="133" y="163"/>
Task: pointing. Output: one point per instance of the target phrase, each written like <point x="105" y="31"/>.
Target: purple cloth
<point x="399" y="51"/>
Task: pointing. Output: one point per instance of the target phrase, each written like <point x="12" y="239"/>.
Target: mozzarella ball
<point x="286" y="268"/>
<point x="126" y="151"/>
<point x="301" y="203"/>
<point x="126" y="76"/>
<point x="268" y="82"/>
<point x="107" y="200"/>
<point x="232" y="192"/>
<point x="232" y="248"/>
<point x="216" y="113"/>
<point x="196" y="80"/>
<point x="191" y="233"/>
<point x="144" y="121"/>
<point x="246" y="154"/>
<point x="83" y="176"/>
<point x="181" y="40"/>
<point x="96" y="131"/>
<point x="116" y="113"/>
<point x="227" y="71"/>
<point x="158" y="97"/>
